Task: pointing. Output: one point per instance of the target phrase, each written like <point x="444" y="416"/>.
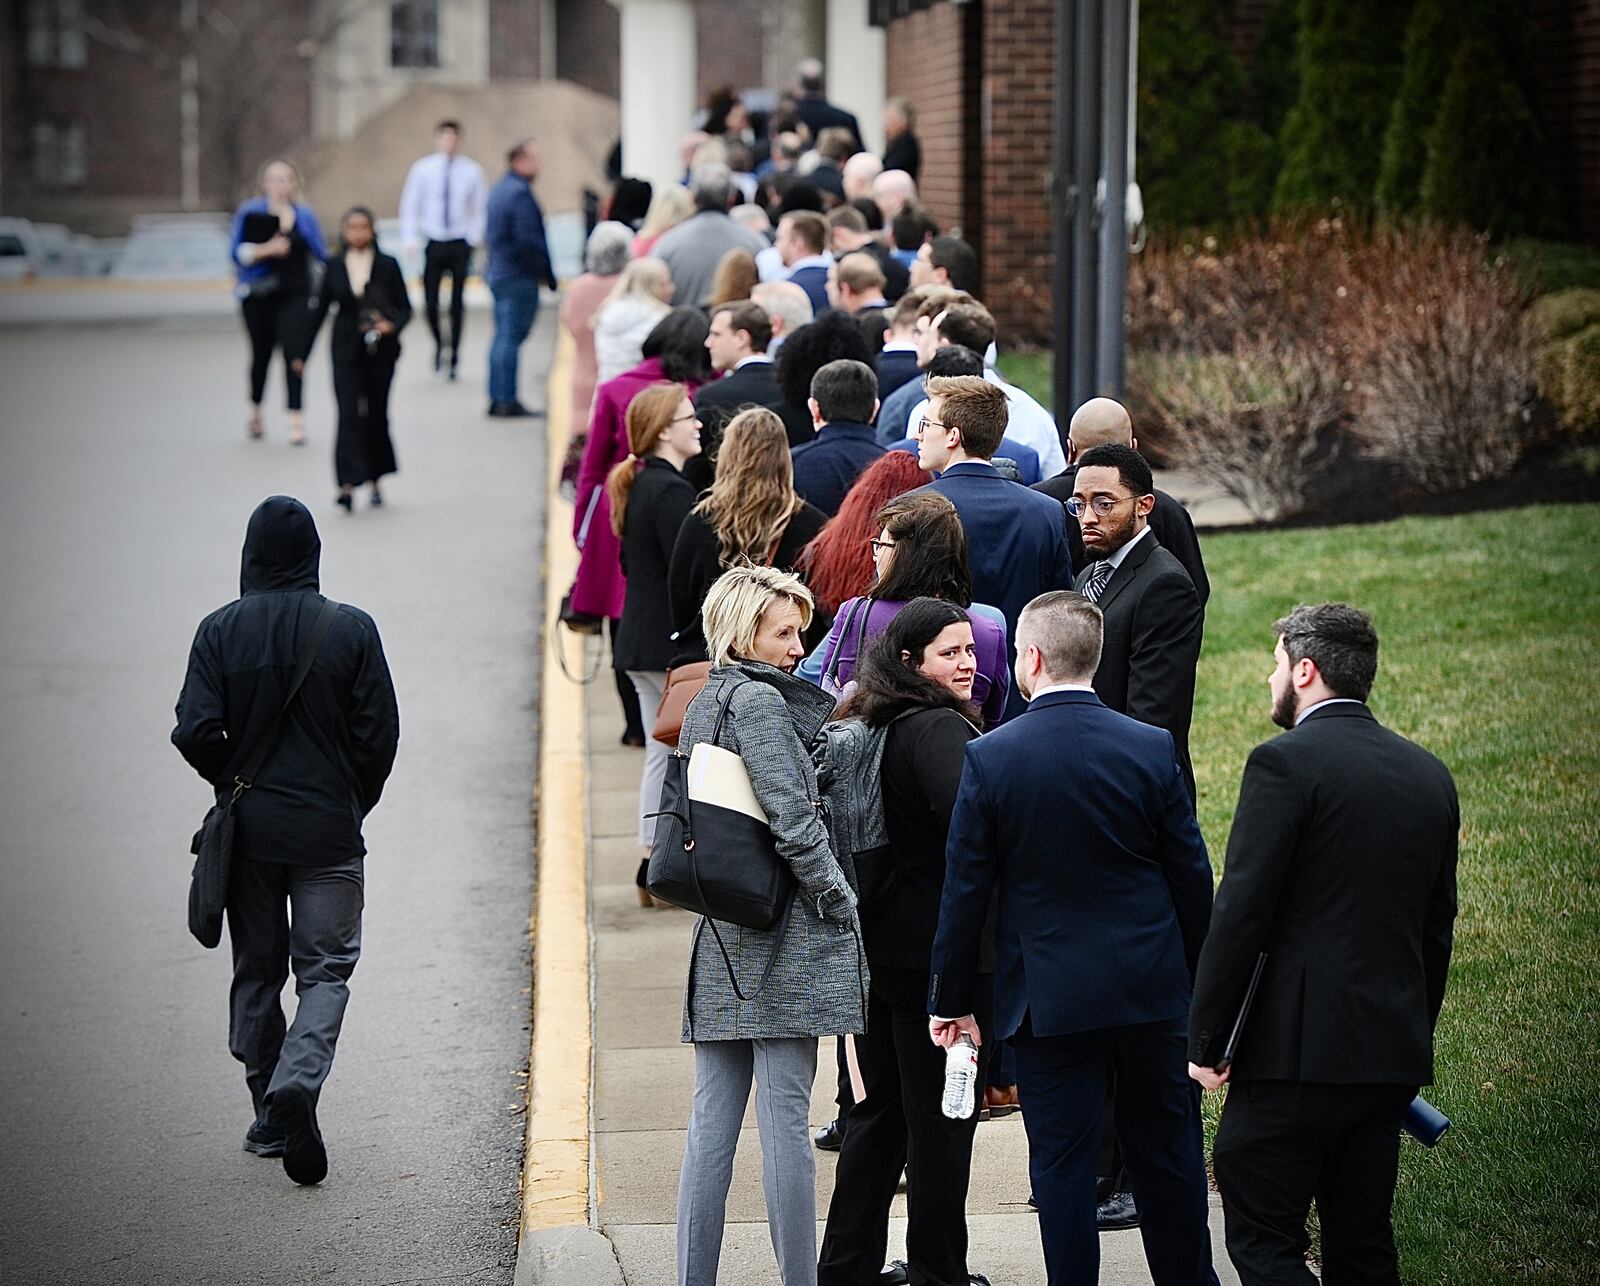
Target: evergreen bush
<point x="1275" y="79"/>
<point x="1485" y="166"/>
<point x="1349" y="58"/>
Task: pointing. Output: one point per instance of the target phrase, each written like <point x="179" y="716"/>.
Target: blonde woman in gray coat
<point x="802" y="979"/>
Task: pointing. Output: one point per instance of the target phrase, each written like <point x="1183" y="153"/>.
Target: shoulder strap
<point x="832" y="673"/>
<point x="246" y="775"/>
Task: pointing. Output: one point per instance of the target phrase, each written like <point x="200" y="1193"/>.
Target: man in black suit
<point x="1341" y="869"/>
<point x="1153" y="616"/>
<point x="817" y="112"/>
<point x="1103" y="891"/>
<point x="740" y="333"/>
<point x="1097" y="422"/>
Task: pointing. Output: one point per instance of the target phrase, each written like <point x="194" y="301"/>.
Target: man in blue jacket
<point x="1077" y="820"/>
<point x="519" y="263"/>
<point x="1016" y="538"/>
<point x="844" y="398"/>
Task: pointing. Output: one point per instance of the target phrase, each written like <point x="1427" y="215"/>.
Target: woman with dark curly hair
<point x="807" y="350"/>
<point x="915" y="685"/>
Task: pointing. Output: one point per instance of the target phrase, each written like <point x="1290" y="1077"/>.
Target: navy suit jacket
<point x="814" y="281"/>
<point x="827" y="467"/>
<point x="1016" y="543"/>
<point x="1020" y="454"/>
<point x="1076" y="818"/>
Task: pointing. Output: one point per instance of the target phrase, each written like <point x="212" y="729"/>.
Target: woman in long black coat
<point x="374" y="307"/>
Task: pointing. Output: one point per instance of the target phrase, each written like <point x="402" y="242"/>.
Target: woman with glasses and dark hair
<point x="674" y="352"/>
<point x="919" y="551"/>
<point x="915" y="684"/>
<point x="369" y="290"/>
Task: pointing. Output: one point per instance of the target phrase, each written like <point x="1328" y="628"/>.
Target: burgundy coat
<point x="600" y="588"/>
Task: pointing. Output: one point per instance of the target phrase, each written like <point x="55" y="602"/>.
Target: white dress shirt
<point x="1331" y="701"/>
<point x="1027" y="423"/>
<point x="1116" y="559"/>
<point x="769" y="265"/>
<point x="423" y="216"/>
<point x="1061" y="687"/>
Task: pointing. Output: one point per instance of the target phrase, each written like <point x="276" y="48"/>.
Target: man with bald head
<point x="891" y="190"/>
<point x="860" y="172"/>
<point x="1101" y="422"/>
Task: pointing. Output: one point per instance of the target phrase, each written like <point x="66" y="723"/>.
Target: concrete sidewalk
<point x="643" y="1078"/>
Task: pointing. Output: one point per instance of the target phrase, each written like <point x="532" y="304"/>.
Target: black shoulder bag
<point x="213" y="842"/>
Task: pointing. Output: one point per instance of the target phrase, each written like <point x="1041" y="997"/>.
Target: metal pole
<point x="1063" y="202"/>
<point x="1085" y="171"/>
<point x="189" y="107"/>
<point x="1113" y="277"/>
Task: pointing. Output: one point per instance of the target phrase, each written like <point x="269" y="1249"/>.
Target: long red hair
<point x="838" y="563"/>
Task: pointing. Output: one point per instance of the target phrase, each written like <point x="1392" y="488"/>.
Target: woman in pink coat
<point x="675" y="351"/>
<point x="605" y="256"/>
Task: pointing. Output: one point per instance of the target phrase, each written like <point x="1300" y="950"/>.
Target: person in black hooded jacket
<point x="295" y="887"/>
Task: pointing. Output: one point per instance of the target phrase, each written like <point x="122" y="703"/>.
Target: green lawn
<point x="1490" y="629"/>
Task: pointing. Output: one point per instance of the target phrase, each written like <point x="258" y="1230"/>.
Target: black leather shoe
<point x="830" y="1138"/>
<point x="510" y="411"/>
<point x="263" y="1140"/>
<point x="898" y="1273"/>
<point x="1117" y="1212"/>
<point x="305" y="1159"/>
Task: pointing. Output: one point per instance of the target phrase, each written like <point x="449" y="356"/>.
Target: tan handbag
<point x="684" y="683"/>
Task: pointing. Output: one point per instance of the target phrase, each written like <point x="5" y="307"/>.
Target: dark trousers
<point x="363" y="450"/>
<point x="439" y="258"/>
<point x="633" y="718"/>
<point x="278" y="321"/>
<point x="898" y="1124"/>
<point x="279" y="917"/>
<point x="1283" y="1144"/>
<point x="1062" y="1081"/>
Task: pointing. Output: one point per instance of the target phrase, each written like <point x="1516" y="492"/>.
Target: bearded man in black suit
<point x="1341" y="871"/>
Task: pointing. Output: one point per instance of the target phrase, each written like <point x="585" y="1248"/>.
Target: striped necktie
<point x="1094" y="581"/>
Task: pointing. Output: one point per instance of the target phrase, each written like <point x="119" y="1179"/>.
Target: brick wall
<point x="929" y="63"/>
<point x="1018" y="97"/>
<point x="588" y="45"/>
<point x="513" y="40"/>
<point x="728" y="39"/>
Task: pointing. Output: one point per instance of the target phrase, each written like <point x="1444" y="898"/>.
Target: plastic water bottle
<point x="960" y="1078"/>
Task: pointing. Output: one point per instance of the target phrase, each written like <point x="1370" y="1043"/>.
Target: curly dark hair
<point x="888" y="684"/>
<point x="679" y="340"/>
<point x="832" y="336"/>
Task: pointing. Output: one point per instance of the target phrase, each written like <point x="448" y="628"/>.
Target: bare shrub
<point x="1441" y="355"/>
<point x="1258" y="421"/>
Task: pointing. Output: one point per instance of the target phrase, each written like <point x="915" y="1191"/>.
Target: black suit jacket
<point x="719" y="401"/>
<point x="385" y="294"/>
<point x="657" y="505"/>
<point x="1341" y="867"/>
<point x="1153" y="625"/>
<point x="1173" y="527"/>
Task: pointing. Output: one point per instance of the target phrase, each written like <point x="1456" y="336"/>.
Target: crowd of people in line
<point x="801" y="485"/>
<point x="814" y="493"/>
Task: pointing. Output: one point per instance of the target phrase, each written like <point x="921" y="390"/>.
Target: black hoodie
<point x="335" y="748"/>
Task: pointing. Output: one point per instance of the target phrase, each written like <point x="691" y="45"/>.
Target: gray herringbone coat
<point x="818" y="980"/>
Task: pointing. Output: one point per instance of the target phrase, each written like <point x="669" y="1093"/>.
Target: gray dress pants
<point x="783" y="1071"/>
<point x="307" y="918"/>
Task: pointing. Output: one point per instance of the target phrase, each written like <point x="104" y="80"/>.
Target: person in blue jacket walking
<point x="277" y="268"/>
<point x="519" y="263"/>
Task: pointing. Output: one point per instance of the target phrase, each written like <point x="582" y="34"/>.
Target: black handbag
<point x="213" y="842"/>
<point x="714" y="853"/>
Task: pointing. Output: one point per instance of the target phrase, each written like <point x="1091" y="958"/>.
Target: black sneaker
<point x="263" y="1140"/>
<point x="1117" y="1212"/>
<point x="830" y="1138"/>
<point x="305" y="1160"/>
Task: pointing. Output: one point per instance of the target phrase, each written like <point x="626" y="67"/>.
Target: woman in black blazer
<point x="649" y="501"/>
<point x="374" y="307"/>
<point x="915" y="682"/>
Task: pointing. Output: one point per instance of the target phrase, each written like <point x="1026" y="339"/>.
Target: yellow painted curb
<point x="555" y="1170"/>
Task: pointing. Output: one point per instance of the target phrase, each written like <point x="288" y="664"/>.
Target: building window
<point x="60" y="154"/>
<point x="55" y="33"/>
<point x="414" y="33"/>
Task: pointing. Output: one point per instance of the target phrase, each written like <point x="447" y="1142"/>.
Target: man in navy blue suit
<point x="1016" y="538"/>
<point x="844" y="398"/>
<point x="1077" y="819"/>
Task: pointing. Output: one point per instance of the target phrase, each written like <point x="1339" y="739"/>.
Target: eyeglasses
<point x="691" y="418"/>
<point x="1102" y="505"/>
<point x="878" y="546"/>
<point x="939" y="424"/>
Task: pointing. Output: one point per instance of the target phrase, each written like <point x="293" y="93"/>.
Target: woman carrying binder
<point x="370" y="292"/>
<point x="279" y="253"/>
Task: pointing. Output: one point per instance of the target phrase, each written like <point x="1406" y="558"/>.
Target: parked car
<point x="21" y="254"/>
<point x="181" y="248"/>
<point x="60" y="253"/>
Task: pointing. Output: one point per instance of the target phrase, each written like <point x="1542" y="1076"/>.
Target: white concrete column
<point x="854" y="63"/>
<point x="658" y="86"/>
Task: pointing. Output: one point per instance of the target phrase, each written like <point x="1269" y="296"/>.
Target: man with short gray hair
<point x="1103" y="891"/>
<point x="694" y="248"/>
<point x="844" y="398"/>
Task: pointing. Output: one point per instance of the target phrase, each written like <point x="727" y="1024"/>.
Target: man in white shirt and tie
<point x="442" y="204"/>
